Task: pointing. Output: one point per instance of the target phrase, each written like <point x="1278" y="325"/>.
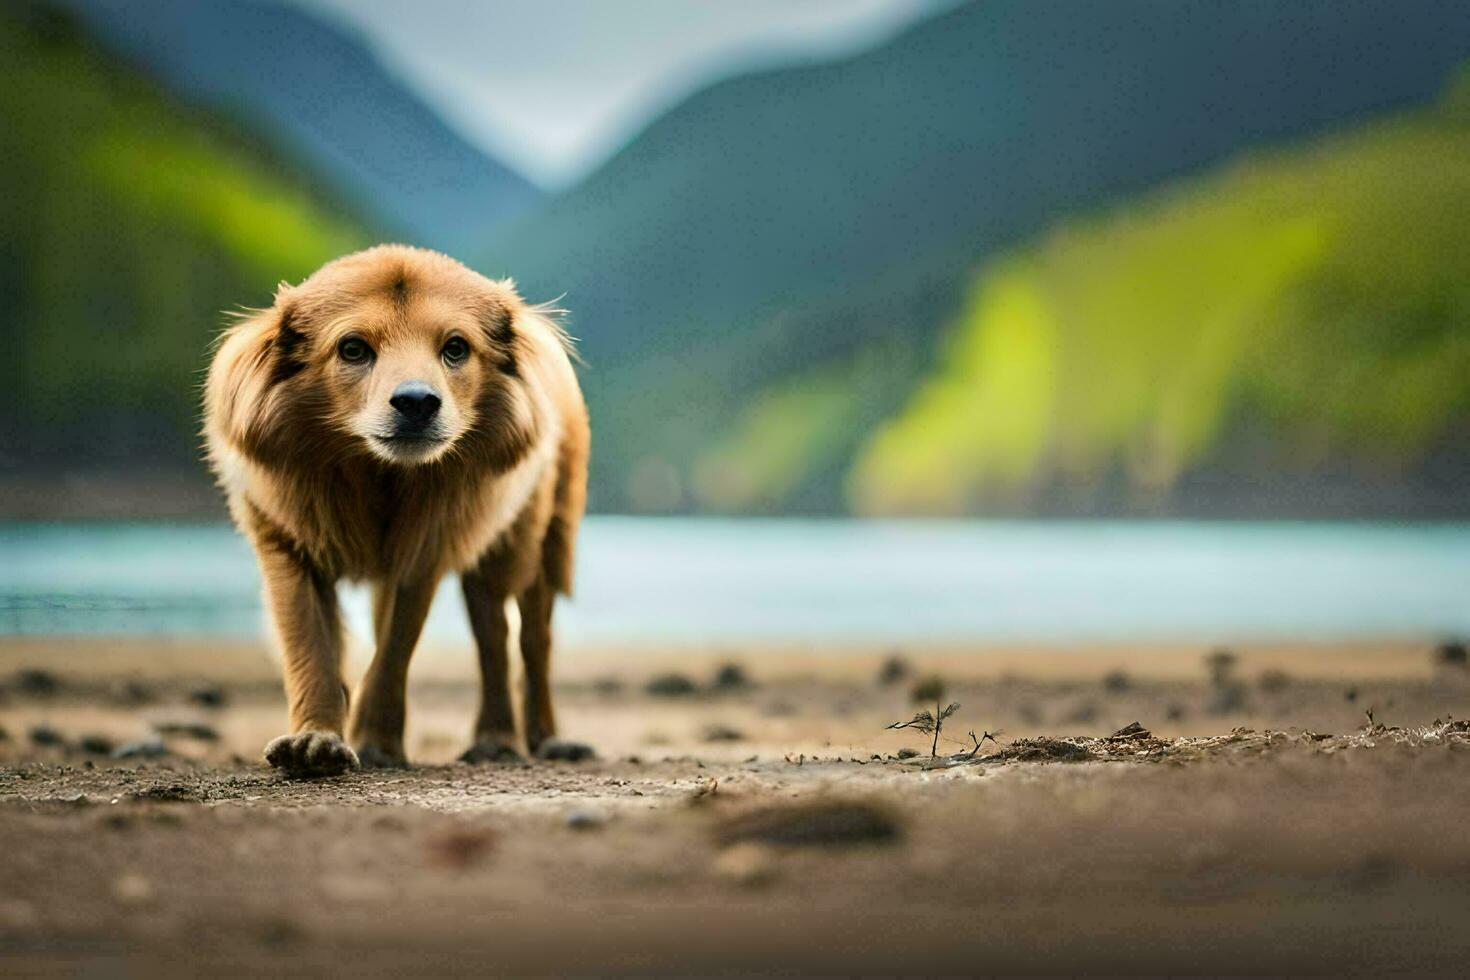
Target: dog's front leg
<point x="378" y="717"/>
<point x="303" y="607"/>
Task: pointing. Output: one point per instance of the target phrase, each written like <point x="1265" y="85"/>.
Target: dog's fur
<point x="301" y="438"/>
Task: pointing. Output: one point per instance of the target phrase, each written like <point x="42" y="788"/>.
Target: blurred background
<point x="902" y="318"/>
<point x="1094" y="374"/>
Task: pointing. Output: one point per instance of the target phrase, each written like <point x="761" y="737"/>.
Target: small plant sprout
<point x="930" y="723"/>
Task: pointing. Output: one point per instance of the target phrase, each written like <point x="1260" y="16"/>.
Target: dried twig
<point x="986" y="736"/>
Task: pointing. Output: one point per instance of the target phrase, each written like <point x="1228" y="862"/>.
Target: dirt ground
<point x="751" y="813"/>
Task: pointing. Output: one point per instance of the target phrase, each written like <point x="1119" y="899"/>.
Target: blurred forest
<point x="317" y="90"/>
<point x="1150" y="257"/>
<point x="131" y="222"/>
<point x="1304" y="309"/>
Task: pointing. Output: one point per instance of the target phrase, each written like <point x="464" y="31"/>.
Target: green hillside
<point x="1299" y="311"/>
<point x="807" y="231"/>
<point x="129" y="221"/>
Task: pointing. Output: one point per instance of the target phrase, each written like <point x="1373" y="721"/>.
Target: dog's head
<point x="399" y="353"/>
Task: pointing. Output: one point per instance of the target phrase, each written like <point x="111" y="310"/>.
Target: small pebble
<point x="670" y="686"/>
<point x="144" y="748"/>
<point x="1452" y="654"/>
<point x="1131" y="732"/>
<point x="894" y="670"/>
<point x="96" y="744"/>
<point x="928" y="690"/>
<point x="585" y="820"/>
<point x="133" y="692"/>
<point x="208" y="696"/>
<point x="36" y="682"/>
<point x="818" y="823"/>
<point x="187" y="729"/>
<point x="723" y="733"/>
<point x="177" y="793"/>
<point x="44" y="734"/>
<point x="731" y="677"/>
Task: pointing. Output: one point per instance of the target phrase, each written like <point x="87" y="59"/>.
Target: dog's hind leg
<point x="485" y="595"/>
<point x="536" y="604"/>
<point x="382" y="705"/>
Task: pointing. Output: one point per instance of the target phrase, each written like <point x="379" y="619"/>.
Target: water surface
<point x="665" y="581"/>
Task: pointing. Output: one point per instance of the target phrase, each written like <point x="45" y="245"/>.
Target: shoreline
<point x="238" y="659"/>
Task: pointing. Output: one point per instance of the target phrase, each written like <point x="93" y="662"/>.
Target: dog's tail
<point x="558" y="550"/>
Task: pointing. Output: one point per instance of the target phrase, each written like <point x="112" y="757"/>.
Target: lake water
<point x="663" y="581"/>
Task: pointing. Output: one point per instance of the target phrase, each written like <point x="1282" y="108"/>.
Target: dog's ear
<point x="549" y="319"/>
<point x="255" y="359"/>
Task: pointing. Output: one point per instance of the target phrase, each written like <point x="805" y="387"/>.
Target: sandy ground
<point x="1261" y="823"/>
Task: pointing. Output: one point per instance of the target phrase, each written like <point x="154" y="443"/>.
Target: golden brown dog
<point x="393" y="418"/>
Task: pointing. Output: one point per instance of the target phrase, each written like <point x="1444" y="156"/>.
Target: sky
<point x="554" y="87"/>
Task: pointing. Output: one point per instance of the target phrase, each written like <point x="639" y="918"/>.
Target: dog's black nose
<point x="416" y="402"/>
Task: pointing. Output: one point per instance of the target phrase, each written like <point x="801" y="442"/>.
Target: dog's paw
<point x="491" y="750"/>
<point x="561" y="750"/>
<point x="311" y="754"/>
<point x="377" y="757"/>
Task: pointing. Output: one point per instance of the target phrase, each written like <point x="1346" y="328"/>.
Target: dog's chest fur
<point x="361" y="519"/>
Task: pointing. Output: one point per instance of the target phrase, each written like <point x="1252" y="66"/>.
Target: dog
<point x="394" y="418"/>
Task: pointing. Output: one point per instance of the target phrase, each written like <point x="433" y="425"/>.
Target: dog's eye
<point x="456" y="349"/>
<point x="354" y="350"/>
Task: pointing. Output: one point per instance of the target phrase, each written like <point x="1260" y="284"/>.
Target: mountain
<point x="781" y="240"/>
<point x="1288" y="334"/>
<point x="140" y="220"/>
<point x="317" y="88"/>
